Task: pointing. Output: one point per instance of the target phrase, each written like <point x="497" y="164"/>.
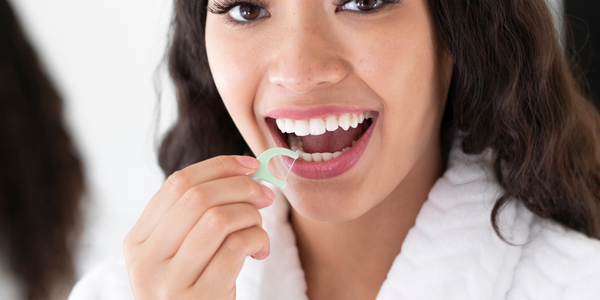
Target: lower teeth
<point x="296" y="145"/>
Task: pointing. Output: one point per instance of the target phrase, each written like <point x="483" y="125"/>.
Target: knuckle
<point x="219" y="163"/>
<point x="149" y="279"/>
<point x="137" y="268"/>
<point x="177" y="180"/>
<point x="194" y="195"/>
<point x="257" y="216"/>
<point x="266" y="241"/>
<point x="127" y="244"/>
<point x="131" y="245"/>
<point x="216" y="219"/>
<point x="249" y="186"/>
<point x="236" y="243"/>
<point x="166" y="292"/>
<point x="265" y="236"/>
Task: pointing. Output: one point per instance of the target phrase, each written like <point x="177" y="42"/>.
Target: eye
<point x="362" y="5"/>
<point x="247" y="12"/>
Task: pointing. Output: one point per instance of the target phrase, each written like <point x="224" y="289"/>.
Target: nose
<point x="306" y="58"/>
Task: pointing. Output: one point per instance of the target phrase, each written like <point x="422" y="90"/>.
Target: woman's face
<point x="300" y="72"/>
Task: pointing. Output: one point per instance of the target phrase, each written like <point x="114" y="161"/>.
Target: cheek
<point x="231" y="68"/>
<point x="235" y="67"/>
<point x="402" y="67"/>
<point x="404" y="73"/>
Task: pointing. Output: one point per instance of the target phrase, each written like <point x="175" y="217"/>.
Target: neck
<point x="354" y="257"/>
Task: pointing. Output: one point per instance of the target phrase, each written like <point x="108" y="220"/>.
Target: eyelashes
<point x="222" y="7"/>
<point x="341" y="3"/>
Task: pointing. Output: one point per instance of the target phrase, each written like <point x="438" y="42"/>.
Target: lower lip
<point x="331" y="168"/>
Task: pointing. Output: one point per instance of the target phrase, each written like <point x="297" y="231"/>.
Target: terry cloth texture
<point x="452" y="252"/>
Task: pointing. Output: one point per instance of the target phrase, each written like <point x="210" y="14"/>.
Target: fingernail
<point x="255" y="256"/>
<point x="268" y="192"/>
<point x="248" y="162"/>
<point x="260" y="255"/>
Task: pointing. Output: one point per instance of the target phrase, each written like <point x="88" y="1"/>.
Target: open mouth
<point x="327" y="146"/>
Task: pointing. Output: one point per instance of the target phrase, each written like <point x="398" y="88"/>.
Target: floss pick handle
<point x="263" y="170"/>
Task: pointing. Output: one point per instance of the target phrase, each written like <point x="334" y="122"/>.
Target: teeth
<point x="344" y="121"/>
<point x="281" y="125"/>
<point x="292" y="138"/>
<point x="307" y="156"/>
<point x="302" y="128"/>
<point x="354" y="121"/>
<point x="289" y="125"/>
<point x="317" y="157"/>
<point x="331" y="123"/>
<point x="319" y="126"/>
<point x="297" y="146"/>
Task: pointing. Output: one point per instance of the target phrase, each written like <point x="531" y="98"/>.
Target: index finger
<point x="179" y="182"/>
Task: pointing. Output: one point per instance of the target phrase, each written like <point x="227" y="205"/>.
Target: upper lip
<point x="313" y="112"/>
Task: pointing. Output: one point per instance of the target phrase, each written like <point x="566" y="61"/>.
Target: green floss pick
<point x="263" y="170"/>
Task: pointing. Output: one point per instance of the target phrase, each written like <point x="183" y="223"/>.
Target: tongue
<point x="331" y="141"/>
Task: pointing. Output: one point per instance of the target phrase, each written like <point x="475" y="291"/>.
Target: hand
<point x="193" y="237"/>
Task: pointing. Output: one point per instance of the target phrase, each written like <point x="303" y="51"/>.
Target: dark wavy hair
<point x="41" y="180"/>
<point x="512" y="90"/>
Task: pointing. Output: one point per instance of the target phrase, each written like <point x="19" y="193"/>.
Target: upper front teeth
<point x="318" y="126"/>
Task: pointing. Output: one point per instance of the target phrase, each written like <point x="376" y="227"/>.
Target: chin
<point x="320" y="203"/>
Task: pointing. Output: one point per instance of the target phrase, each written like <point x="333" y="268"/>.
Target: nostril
<point x="303" y="75"/>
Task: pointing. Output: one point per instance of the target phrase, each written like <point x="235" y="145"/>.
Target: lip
<point x="312" y="113"/>
<point x="326" y="169"/>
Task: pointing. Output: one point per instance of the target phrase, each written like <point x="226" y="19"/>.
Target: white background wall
<point x="102" y="56"/>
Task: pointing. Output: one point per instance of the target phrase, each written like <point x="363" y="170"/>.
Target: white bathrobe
<point x="452" y="252"/>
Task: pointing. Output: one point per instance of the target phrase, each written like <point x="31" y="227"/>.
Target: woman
<point x="41" y="175"/>
<point x="371" y="94"/>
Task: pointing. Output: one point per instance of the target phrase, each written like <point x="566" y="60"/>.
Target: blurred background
<point x="583" y="42"/>
<point x="103" y="58"/>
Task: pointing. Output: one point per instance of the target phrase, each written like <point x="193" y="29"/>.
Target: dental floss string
<point x="263" y="170"/>
<point x="288" y="172"/>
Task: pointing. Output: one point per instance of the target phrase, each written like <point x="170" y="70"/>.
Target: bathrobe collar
<point x="452" y="252"/>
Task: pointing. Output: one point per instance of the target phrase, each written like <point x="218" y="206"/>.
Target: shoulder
<point x="557" y="263"/>
<point x="107" y="281"/>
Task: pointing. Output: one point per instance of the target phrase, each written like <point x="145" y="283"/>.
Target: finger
<point x="179" y="182"/>
<point x="207" y="236"/>
<point x="185" y="213"/>
<point x="218" y="278"/>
